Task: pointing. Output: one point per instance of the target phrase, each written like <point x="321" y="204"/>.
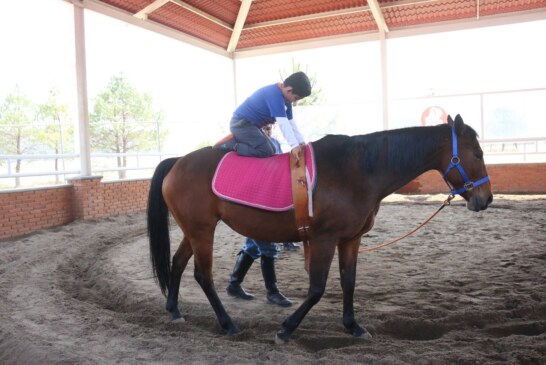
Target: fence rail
<point x="510" y="150"/>
<point x="35" y="163"/>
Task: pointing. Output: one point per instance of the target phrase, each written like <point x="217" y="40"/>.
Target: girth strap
<point x="302" y="200"/>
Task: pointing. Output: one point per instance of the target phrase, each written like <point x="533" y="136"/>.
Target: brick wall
<point x="507" y="179"/>
<point x="130" y="197"/>
<point x="24" y="211"/>
<point x="29" y="210"/>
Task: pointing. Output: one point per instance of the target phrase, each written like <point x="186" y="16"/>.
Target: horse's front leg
<point x="202" y="249"/>
<point x="320" y="259"/>
<point x="180" y="260"/>
<point x="348" y="254"/>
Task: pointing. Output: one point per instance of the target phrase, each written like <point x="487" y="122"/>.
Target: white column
<point x="384" y="79"/>
<point x="234" y="73"/>
<point x="81" y="80"/>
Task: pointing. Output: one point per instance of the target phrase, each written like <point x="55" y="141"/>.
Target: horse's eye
<point x="479" y="155"/>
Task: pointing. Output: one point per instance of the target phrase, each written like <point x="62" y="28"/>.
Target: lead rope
<point x="445" y="203"/>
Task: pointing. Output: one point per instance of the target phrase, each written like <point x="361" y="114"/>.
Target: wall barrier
<point x="505" y="179"/>
<point x="29" y="210"/>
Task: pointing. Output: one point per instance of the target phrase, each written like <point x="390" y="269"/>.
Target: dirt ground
<point x="469" y="288"/>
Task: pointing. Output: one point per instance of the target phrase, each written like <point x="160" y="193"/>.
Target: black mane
<point x="397" y="149"/>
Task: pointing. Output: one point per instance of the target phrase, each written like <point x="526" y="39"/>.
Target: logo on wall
<point x="433" y="115"/>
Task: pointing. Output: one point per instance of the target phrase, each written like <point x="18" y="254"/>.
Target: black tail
<point x="158" y="226"/>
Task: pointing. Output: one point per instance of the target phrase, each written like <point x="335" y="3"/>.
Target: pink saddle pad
<point x="263" y="183"/>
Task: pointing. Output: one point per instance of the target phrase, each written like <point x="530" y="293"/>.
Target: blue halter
<point x="456" y="162"/>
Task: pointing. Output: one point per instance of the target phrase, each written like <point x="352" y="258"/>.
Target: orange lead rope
<point x="445" y="203"/>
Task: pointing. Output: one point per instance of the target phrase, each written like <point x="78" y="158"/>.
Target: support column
<point x="87" y="199"/>
<point x="384" y="79"/>
<point x="81" y="79"/>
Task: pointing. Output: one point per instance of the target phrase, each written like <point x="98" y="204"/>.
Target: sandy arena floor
<point x="469" y="288"/>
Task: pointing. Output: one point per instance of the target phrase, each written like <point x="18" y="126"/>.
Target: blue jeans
<point x="256" y="249"/>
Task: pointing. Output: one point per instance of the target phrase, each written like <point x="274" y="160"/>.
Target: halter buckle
<point x="455" y="160"/>
<point x="469" y="185"/>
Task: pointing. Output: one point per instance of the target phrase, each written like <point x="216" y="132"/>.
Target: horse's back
<point x="192" y="174"/>
<point x="197" y="164"/>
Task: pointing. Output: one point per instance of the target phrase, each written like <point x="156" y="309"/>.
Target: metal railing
<point x="68" y="165"/>
<point x="513" y="150"/>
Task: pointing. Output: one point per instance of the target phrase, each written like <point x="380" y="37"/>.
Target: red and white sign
<point x="433" y="115"/>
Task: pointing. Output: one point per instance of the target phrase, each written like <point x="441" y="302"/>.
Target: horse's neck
<point x="417" y="158"/>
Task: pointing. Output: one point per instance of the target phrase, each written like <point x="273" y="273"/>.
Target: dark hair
<point x="300" y="84"/>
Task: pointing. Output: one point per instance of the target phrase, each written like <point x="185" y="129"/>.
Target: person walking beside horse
<point x="251" y="251"/>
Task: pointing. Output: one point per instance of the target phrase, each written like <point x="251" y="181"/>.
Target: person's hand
<point x="296" y="153"/>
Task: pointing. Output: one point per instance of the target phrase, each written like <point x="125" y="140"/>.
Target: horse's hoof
<point x="281" y="337"/>
<point x="366" y="336"/>
<point x="232" y="331"/>
<point x="176" y="316"/>
<point x="178" y="320"/>
<point x="279" y="341"/>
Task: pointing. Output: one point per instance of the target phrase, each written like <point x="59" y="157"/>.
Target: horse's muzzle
<point x="478" y="202"/>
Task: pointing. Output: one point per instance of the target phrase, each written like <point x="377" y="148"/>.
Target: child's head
<point x="300" y="84"/>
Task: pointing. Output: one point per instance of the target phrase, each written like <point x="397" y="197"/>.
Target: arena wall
<point x="506" y="179"/>
<point x="24" y="211"/>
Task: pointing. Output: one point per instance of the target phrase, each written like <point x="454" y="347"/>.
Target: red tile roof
<point x="270" y="22"/>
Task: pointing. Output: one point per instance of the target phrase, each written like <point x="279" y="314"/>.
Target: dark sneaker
<point x="237" y="291"/>
<point x="278" y="299"/>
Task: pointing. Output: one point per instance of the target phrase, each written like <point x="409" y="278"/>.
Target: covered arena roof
<point x="241" y="25"/>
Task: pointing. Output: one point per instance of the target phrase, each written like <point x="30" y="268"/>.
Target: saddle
<point x="263" y="183"/>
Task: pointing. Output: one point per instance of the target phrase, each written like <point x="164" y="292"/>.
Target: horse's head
<point x="463" y="167"/>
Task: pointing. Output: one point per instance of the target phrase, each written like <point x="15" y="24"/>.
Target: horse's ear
<point x="449" y="120"/>
<point x="459" y="124"/>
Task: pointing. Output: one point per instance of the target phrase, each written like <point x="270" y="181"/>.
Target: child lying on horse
<point x="269" y="104"/>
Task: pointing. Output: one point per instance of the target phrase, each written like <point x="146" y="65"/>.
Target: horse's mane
<point x="397" y="149"/>
<point x="400" y="148"/>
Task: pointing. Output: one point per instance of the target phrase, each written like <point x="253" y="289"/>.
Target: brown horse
<point x="353" y="175"/>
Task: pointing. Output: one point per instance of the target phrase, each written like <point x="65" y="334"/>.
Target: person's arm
<point x="288" y="134"/>
<point x="296" y="131"/>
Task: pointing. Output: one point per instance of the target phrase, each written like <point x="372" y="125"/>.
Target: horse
<point x="354" y="173"/>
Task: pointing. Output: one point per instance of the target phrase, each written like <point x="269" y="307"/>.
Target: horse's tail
<point x="158" y="226"/>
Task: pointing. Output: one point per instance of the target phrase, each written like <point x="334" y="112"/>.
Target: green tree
<point x="57" y="131"/>
<point x="123" y="121"/>
<point x="17" y="137"/>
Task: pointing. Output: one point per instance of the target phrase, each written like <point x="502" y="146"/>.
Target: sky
<point x="194" y="87"/>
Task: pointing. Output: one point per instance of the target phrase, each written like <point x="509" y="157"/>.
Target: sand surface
<point x="468" y="288"/>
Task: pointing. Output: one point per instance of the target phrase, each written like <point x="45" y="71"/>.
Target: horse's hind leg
<point x="320" y="259"/>
<point x="203" y="275"/>
<point x="180" y="260"/>
<point x="348" y="254"/>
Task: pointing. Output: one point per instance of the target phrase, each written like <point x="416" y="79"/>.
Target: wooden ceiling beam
<point x="202" y="14"/>
<point x="143" y="14"/>
<point x="378" y="16"/>
<point x="239" y="24"/>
